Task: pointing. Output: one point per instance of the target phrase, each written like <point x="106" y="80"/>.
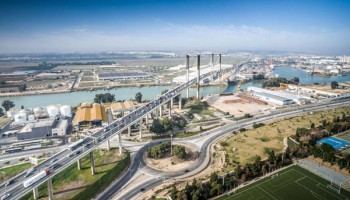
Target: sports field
<point x="334" y="142"/>
<point x="292" y="183"/>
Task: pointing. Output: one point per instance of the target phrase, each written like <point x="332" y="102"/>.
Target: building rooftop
<point x="272" y="96"/>
<point x="126" y="105"/>
<point x="121" y="74"/>
<point x="41" y="123"/>
<point x="90" y="112"/>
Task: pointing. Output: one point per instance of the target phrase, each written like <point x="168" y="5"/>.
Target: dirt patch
<point x="171" y="163"/>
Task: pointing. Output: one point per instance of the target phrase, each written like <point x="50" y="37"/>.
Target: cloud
<point x="168" y="36"/>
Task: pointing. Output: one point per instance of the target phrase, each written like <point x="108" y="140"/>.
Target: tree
<point x="334" y="85"/>
<point x="138" y="97"/>
<point x="1" y="112"/>
<point x="7" y="104"/>
<point x="104" y="98"/>
<point x="167" y="126"/>
<point x="295" y="79"/>
<point x="156" y="126"/>
<point x="179" y="152"/>
<point x="22" y="107"/>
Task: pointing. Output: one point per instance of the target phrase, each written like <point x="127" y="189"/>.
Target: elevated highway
<point x="65" y="158"/>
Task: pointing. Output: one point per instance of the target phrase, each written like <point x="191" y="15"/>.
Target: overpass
<point x="67" y="157"/>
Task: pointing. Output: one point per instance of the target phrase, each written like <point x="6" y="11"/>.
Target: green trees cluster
<point x="258" y="125"/>
<point x="8" y="104"/>
<point x="158" y="151"/>
<point x="334" y="85"/>
<point x="104" y="98"/>
<point x="219" y="184"/>
<point x="161" y="126"/>
<point x="274" y="82"/>
<point x="179" y="152"/>
<point x="138" y="97"/>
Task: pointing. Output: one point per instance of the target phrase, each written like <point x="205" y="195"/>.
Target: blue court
<point x="335" y="142"/>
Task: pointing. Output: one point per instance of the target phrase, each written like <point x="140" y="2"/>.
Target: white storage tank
<point x="40" y="112"/>
<point x="31" y="118"/>
<point x="53" y="111"/>
<point x="66" y="111"/>
<point x="21" y="118"/>
<point x="11" y="113"/>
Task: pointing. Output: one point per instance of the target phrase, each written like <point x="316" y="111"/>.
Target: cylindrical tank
<point x="66" y="111"/>
<point x="21" y="117"/>
<point x="53" y="111"/>
<point x="40" y="112"/>
<point x="11" y="113"/>
<point x="31" y="118"/>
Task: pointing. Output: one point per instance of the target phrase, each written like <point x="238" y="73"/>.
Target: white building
<point x="61" y="128"/>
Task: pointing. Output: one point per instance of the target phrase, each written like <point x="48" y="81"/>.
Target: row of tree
<point x="275" y="82"/>
<point x="217" y="185"/>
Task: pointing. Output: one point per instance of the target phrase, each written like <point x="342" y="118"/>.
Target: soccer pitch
<point x="292" y="183"/>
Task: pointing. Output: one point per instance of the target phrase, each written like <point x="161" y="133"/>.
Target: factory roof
<point x="121" y="74"/>
<point x="126" y="105"/>
<point x="90" y="112"/>
<point x="272" y="96"/>
<point x="41" y="123"/>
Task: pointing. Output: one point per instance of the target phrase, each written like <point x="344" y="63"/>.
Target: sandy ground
<point x="171" y="163"/>
<point x="237" y="109"/>
<point x="216" y="164"/>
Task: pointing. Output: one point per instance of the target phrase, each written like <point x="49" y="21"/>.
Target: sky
<point x="314" y="26"/>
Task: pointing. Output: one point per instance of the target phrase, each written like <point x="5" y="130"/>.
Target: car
<point x="9" y="182"/>
<point x="29" y="172"/>
<point x="70" y="155"/>
<point x="106" y="129"/>
<point x="6" y="196"/>
<point x="54" y="160"/>
<point x="142" y="189"/>
<point x="77" y="152"/>
<point x="187" y="170"/>
<point x="54" y="166"/>
<point x="87" y="145"/>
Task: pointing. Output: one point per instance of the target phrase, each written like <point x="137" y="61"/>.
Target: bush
<point x="242" y="129"/>
<point x="179" y="152"/>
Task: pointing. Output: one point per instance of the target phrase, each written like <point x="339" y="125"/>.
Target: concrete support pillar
<point x="187" y="74"/>
<point x="140" y="128"/>
<point x="146" y="120"/>
<point x="120" y="144"/>
<point x="212" y="60"/>
<point x="160" y="111"/>
<point x="171" y="102"/>
<point x="108" y="145"/>
<point x="79" y="164"/>
<point x="129" y="131"/>
<point x="198" y="74"/>
<point x="180" y="102"/>
<point x="36" y="193"/>
<point x="50" y="189"/>
<point x="220" y="65"/>
<point x="92" y="163"/>
<point x="169" y="111"/>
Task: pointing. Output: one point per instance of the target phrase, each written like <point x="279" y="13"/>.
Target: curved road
<point x="204" y="155"/>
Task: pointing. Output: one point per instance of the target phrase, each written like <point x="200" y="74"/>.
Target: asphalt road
<point x="67" y="157"/>
<point x="204" y="156"/>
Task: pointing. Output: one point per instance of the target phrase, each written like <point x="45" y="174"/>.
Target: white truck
<point x="36" y="178"/>
<point x="36" y="146"/>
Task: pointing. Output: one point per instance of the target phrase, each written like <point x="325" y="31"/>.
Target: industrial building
<point x="12" y="88"/>
<point x="295" y="98"/>
<point x="90" y="114"/>
<point x="43" y="129"/>
<point x="111" y="75"/>
<point x="27" y="115"/>
<point x="118" y="109"/>
<point x="273" y="98"/>
<point x="320" y="90"/>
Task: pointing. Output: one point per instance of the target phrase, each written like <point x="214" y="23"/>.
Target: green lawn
<point x="4" y="121"/>
<point x="74" y="184"/>
<point x="292" y="183"/>
<point x="9" y="172"/>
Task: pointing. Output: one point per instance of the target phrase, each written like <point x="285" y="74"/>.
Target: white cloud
<point x="168" y="36"/>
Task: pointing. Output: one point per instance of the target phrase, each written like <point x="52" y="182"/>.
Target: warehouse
<point x="40" y="129"/>
<point x="272" y="98"/>
<point x="119" y="108"/>
<point x="90" y="114"/>
<point x="105" y="75"/>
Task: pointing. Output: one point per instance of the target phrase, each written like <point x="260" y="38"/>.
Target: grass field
<point x="76" y="184"/>
<point x="292" y="183"/>
<point x="243" y="147"/>
<point x="12" y="171"/>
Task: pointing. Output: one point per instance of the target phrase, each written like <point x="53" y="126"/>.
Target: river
<point x="75" y="98"/>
